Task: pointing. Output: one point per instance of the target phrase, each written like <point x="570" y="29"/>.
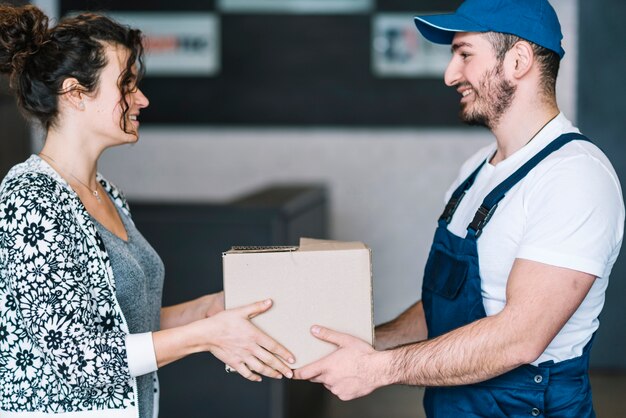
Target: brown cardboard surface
<point x="322" y="282"/>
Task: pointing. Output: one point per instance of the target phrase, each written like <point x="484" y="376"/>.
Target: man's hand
<point x="354" y="370"/>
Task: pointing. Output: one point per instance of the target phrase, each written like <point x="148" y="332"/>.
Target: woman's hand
<point x="243" y="347"/>
<point x="231" y="337"/>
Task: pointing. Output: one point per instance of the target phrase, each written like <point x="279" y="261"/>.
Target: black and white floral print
<point x="62" y="333"/>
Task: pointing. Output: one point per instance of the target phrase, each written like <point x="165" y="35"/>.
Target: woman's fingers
<point x="270" y="352"/>
<point x="267" y="342"/>
<point x="269" y="359"/>
<point x="251" y="349"/>
<point x="261" y="367"/>
<point x="244" y="371"/>
<point x="264" y="359"/>
<point x="277" y="349"/>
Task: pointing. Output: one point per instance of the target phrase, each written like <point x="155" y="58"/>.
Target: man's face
<point x="479" y="77"/>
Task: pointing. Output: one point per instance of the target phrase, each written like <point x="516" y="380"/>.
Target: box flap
<point x="238" y="249"/>
<point x="311" y="244"/>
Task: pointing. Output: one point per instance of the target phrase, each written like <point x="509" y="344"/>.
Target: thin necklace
<point x="94" y="192"/>
<point x="541" y="129"/>
<point x="530" y="140"/>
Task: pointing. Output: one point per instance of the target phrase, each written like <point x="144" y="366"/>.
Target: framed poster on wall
<point x="177" y="43"/>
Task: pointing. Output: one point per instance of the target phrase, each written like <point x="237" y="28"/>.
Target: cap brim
<point x="441" y="28"/>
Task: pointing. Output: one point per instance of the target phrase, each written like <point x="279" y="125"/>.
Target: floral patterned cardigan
<point x="62" y="331"/>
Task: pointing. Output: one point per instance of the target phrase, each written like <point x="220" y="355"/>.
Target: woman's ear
<point x="523" y="58"/>
<point x="73" y="94"/>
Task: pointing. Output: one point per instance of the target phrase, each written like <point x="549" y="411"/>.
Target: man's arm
<point x="408" y="327"/>
<point x="540" y="300"/>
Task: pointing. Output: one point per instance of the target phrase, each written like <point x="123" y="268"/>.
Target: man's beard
<point x="491" y="100"/>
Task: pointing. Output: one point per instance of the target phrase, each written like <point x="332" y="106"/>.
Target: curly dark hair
<point x="39" y="59"/>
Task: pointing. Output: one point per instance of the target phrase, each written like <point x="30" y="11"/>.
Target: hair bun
<point x="22" y="32"/>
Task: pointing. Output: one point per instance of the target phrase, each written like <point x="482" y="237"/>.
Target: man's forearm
<point x="470" y="354"/>
<point x="408" y="327"/>
<point x="539" y="301"/>
<point x="476" y="352"/>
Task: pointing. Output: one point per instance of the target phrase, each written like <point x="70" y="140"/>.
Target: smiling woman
<point x="113" y="112"/>
<point x="82" y="331"/>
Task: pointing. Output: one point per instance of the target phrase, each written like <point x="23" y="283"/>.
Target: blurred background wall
<point x="386" y="183"/>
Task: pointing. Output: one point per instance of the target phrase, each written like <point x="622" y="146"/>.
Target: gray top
<point x="139" y="273"/>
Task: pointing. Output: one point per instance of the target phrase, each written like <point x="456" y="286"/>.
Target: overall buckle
<point x="483" y="215"/>
<point x="451" y="207"/>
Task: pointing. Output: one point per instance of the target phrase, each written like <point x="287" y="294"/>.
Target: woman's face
<point x="104" y="107"/>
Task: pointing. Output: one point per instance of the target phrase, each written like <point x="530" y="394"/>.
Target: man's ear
<point x="522" y="57"/>
<point x="73" y="93"/>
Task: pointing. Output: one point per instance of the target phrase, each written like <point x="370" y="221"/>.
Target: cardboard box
<point x="320" y="282"/>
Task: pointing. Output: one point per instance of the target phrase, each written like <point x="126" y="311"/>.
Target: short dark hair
<point x="39" y="59"/>
<point x="549" y="61"/>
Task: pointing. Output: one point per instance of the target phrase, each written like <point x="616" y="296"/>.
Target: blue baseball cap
<point x="532" y="20"/>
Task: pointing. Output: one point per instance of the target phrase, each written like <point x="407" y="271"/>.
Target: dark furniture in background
<point x="191" y="238"/>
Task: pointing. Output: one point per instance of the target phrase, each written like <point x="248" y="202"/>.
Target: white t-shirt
<point x="567" y="212"/>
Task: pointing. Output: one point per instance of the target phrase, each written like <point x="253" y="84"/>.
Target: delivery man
<point x="521" y="257"/>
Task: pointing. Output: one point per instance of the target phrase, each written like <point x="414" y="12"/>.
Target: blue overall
<point x="452" y="297"/>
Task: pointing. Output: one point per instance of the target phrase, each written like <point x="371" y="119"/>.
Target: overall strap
<point x="490" y="203"/>
<point x="458" y="194"/>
